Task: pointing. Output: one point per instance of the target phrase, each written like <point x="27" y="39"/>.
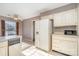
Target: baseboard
<point x="61" y="53"/>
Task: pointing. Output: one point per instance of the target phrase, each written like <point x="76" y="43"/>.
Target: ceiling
<point x="27" y="10"/>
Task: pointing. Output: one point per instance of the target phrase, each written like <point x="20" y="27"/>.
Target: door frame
<point x="33" y="31"/>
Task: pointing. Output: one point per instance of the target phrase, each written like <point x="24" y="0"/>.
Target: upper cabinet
<point x="66" y="18"/>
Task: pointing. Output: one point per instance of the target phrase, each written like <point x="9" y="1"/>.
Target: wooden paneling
<point x="2" y="28"/>
<point x="17" y="28"/>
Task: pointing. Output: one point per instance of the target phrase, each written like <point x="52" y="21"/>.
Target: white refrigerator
<point x="43" y="34"/>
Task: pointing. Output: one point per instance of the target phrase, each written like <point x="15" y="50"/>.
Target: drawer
<point x="2" y="44"/>
<point x="71" y="39"/>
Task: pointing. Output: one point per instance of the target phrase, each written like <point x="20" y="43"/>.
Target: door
<point x="66" y="18"/>
<point x="4" y="48"/>
<point x="37" y="33"/>
<point x="3" y="51"/>
<point x="15" y="50"/>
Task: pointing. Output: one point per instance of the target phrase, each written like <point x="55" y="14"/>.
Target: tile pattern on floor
<point x="25" y="45"/>
<point x="30" y="50"/>
<point x="33" y="51"/>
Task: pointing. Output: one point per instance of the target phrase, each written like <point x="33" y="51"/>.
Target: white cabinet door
<point x="58" y="19"/>
<point x="70" y="17"/>
<point x="67" y="45"/>
<point x="37" y="33"/>
<point x="66" y="18"/>
<point x="15" y="50"/>
<point x="71" y="46"/>
<point x="4" y="48"/>
<point x="4" y="51"/>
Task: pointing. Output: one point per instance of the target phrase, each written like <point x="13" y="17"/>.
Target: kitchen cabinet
<point x="10" y="45"/>
<point x="65" y="18"/>
<point x="3" y="51"/>
<point x="65" y="44"/>
<point x="15" y="50"/>
<point x="42" y="34"/>
<point x="4" y="48"/>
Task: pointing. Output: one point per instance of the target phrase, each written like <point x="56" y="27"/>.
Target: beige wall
<point x="27" y="29"/>
<point x="20" y="27"/>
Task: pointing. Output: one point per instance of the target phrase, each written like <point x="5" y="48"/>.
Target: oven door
<point x="14" y="47"/>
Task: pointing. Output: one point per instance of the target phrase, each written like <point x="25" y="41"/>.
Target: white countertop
<point x="6" y="38"/>
<point x="65" y="35"/>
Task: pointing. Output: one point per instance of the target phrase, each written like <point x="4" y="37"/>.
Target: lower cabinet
<point x="15" y="50"/>
<point x="3" y="49"/>
<point x="64" y="44"/>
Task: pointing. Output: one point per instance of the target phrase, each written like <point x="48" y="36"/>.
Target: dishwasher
<point x="14" y="47"/>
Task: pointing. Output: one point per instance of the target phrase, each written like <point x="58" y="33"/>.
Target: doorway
<point x="33" y="31"/>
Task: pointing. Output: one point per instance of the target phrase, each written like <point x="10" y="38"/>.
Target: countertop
<point x="6" y="38"/>
<point x="66" y="35"/>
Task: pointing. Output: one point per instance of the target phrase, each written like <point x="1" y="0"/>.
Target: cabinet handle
<point x="37" y="32"/>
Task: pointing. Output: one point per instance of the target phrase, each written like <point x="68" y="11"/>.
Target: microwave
<point x="70" y="32"/>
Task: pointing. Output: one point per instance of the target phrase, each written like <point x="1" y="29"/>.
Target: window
<point x="10" y="28"/>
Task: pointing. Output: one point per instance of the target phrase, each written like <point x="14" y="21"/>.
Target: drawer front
<point x="2" y="44"/>
<point x="15" y="50"/>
